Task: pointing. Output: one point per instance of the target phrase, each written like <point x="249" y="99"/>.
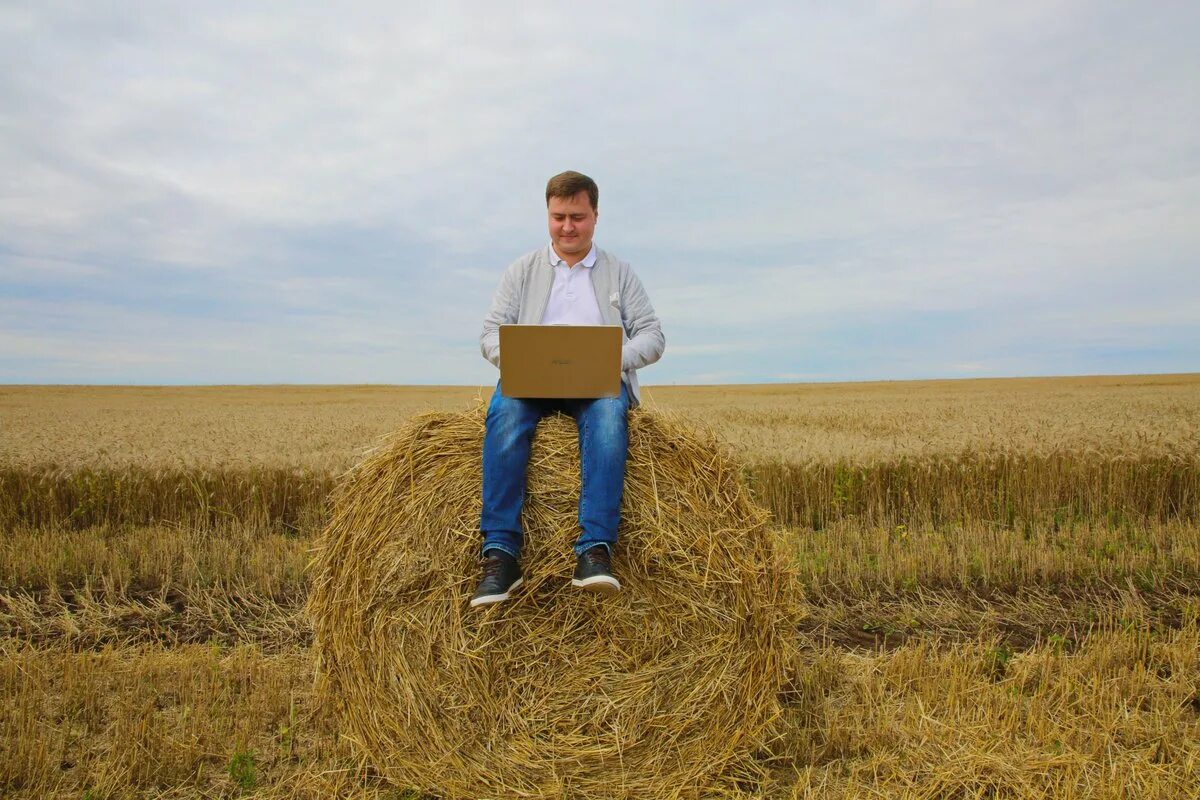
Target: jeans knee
<point x="508" y="420"/>
<point x="607" y="422"/>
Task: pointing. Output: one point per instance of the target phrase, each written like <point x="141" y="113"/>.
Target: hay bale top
<point x="663" y="690"/>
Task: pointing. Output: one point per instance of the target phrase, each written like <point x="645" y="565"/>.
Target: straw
<point x="668" y="689"/>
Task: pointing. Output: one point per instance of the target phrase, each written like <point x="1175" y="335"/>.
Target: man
<point x="573" y="282"/>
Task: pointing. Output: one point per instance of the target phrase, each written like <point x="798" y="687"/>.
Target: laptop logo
<point x="560" y="362"/>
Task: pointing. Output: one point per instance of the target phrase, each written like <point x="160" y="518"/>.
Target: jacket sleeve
<point x="646" y="341"/>
<point x="506" y="304"/>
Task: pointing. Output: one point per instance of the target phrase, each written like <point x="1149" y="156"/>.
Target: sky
<point x="294" y="193"/>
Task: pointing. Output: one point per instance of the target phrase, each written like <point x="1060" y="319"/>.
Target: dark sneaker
<point x="593" y="572"/>
<point x="501" y="574"/>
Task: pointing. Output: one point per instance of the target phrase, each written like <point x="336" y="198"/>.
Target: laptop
<point x="577" y="361"/>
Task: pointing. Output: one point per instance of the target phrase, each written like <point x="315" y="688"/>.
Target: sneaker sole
<point x="599" y="584"/>
<point x="488" y="599"/>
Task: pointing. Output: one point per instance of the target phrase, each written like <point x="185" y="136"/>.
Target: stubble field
<point x="1001" y="581"/>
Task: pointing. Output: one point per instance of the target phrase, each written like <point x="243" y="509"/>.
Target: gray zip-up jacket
<point x="525" y="291"/>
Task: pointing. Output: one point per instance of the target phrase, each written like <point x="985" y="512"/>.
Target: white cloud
<point x="85" y="354"/>
<point x="47" y="269"/>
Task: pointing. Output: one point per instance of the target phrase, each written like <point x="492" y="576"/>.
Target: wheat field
<point x="1001" y="583"/>
<point x="328" y="427"/>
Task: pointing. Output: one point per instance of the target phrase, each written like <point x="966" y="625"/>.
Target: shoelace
<point x="492" y="566"/>
<point x="599" y="556"/>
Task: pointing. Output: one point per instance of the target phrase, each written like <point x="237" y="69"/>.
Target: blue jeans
<point x="603" y="447"/>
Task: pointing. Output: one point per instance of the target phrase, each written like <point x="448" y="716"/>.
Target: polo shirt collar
<point x="588" y="261"/>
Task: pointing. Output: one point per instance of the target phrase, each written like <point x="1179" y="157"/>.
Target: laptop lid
<point x="576" y="361"/>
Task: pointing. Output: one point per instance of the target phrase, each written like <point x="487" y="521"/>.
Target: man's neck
<point x="567" y="259"/>
<point x="571" y="262"/>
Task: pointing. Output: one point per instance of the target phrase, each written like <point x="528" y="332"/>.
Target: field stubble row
<point x="863" y="586"/>
<point x="1009" y="490"/>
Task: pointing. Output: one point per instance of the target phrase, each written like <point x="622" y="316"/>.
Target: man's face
<point x="572" y="223"/>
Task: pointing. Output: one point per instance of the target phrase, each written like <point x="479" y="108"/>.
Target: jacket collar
<point x="589" y="260"/>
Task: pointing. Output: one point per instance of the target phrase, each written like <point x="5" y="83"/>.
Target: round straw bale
<point x="668" y="689"/>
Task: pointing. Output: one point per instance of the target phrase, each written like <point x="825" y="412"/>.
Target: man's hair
<point x="571" y="183"/>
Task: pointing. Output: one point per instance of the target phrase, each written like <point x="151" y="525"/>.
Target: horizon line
<point x="830" y="381"/>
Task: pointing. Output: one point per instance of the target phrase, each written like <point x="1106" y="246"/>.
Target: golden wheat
<point x="327" y="429"/>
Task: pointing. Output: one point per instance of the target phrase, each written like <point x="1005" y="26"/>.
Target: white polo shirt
<point x="572" y="296"/>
